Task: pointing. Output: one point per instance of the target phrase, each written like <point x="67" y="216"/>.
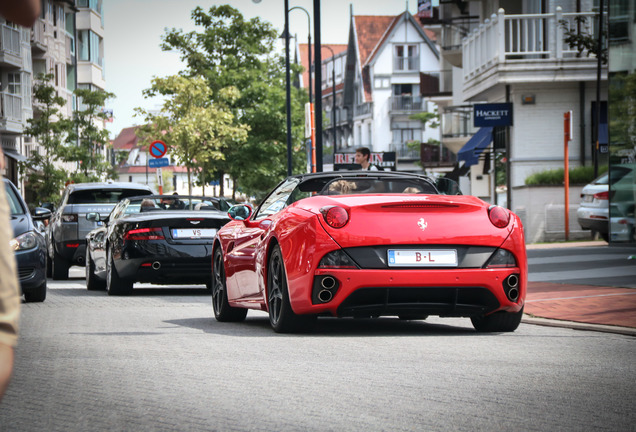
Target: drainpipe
<point x="582" y="121"/>
<point x="508" y="164"/>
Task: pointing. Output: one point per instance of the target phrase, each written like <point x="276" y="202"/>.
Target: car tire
<point x="281" y="316"/>
<point x="93" y="283"/>
<point x="114" y="284"/>
<point x="498" y="322"/>
<point x="37" y="295"/>
<point x="49" y="267"/>
<point x="59" y="270"/>
<point x="223" y="312"/>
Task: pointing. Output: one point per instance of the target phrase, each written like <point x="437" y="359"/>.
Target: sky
<point x="133" y="30"/>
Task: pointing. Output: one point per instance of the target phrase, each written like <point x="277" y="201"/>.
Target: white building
<point x="389" y="70"/>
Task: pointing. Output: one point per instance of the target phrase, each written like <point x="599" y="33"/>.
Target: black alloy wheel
<point x="223" y="312"/>
<point x="281" y="316"/>
<point x="114" y="284"/>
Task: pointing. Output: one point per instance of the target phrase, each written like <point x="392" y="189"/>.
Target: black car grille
<point x="25" y="272"/>
<point x="442" y="301"/>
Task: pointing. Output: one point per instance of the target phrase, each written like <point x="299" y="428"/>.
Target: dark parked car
<point x="29" y="245"/>
<point x="160" y="239"/>
<point x="67" y="231"/>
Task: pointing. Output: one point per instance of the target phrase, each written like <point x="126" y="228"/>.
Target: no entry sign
<point x="158" y="149"/>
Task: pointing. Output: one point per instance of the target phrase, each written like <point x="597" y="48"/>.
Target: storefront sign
<point x="499" y="114"/>
<point x="346" y="161"/>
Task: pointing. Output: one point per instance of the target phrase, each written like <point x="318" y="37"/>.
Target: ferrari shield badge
<point x="422" y="224"/>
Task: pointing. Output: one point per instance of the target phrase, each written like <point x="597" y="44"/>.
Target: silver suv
<point x="66" y="234"/>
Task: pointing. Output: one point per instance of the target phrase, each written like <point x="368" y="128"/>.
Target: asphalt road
<point x="158" y="361"/>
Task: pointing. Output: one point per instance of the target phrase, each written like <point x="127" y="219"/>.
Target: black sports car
<point x="160" y="239"/>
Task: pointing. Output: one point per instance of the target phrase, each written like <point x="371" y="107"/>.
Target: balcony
<point x="406" y="104"/>
<point x="525" y="48"/>
<point x="406" y="64"/>
<point x="403" y="151"/>
<point x="436" y="83"/>
<point x="10" y="113"/>
<point x="364" y="109"/>
<point x="10" y="54"/>
<point x="454" y="31"/>
<point x="38" y="36"/>
<point x="436" y="156"/>
<point x="457" y="126"/>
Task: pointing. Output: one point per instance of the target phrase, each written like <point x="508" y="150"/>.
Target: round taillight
<point x="499" y="216"/>
<point x="336" y="217"/>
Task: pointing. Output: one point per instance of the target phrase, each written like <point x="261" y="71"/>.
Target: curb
<point x="626" y="331"/>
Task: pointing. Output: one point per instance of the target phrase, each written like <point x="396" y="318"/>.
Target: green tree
<point x="43" y="178"/>
<point x="231" y="51"/>
<point x="193" y="126"/>
<point x="87" y="139"/>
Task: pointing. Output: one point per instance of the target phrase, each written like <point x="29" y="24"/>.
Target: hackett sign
<point x="499" y="114"/>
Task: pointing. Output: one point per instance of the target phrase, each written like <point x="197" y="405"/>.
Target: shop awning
<point x="14" y="155"/>
<point x="475" y="145"/>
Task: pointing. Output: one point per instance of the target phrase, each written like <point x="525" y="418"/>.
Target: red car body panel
<point x="398" y="219"/>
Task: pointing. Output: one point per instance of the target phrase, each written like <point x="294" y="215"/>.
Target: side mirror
<point x="49" y="205"/>
<point x="240" y="212"/>
<point x="93" y="217"/>
<point x="41" y="213"/>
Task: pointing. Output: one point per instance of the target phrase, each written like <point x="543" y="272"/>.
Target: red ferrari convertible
<point x="370" y="244"/>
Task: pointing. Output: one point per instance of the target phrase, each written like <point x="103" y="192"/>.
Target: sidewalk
<point x="586" y="307"/>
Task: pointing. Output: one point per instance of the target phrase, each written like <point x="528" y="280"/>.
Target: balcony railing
<point x="436" y="82"/>
<point x="406" y="64"/>
<point x="10" y="107"/>
<point x="403" y="151"/>
<point x="363" y="109"/>
<point x="10" y="40"/>
<point x="508" y="38"/>
<point x="457" y="121"/>
<point x="406" y="103"/>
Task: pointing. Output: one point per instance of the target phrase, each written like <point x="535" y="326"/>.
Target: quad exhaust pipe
<point x="324" y="289"/>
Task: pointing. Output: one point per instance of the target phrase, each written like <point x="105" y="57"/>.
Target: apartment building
<point x="389" y="69"/>
<point x="66" y="41"/>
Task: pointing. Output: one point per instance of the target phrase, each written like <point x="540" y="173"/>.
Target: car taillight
<point x="502" y="259"/>
<point x="144" y="234"/>
<point x="69" y="218"/>
<point x="499" y="216"/>
<point x="337" y="260"/>
<point x="336" y="217"/>
<point x="602" y="195"/>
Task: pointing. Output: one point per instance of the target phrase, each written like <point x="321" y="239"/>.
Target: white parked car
<point x="593" y="212"/>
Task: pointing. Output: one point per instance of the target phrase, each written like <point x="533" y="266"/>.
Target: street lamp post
<point x="312" y="157"/>
<point x="288" y="91"/>
<point x="333" y="95"/>
<point x="318" y="84"/>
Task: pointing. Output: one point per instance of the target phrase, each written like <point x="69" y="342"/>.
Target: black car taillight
<point x="144" y="234"/>
<point x="502" y="259"/>
<point x="337" y="260"/>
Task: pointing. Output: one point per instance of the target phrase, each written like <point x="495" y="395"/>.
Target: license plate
<point x="422" y="258"/>
<point x="193" y="233"/>
<point x="588" y="198"/>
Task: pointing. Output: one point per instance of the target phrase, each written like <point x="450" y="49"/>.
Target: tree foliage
<point x="44" y="179"/>
<point x="230" y="51"/>
<point x="194" y="124"/>
<point x="86" y="140"/>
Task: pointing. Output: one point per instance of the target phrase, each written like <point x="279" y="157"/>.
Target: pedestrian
<point x="363" y="158"/>
<point x="23" y="12"/>
<point x="9" y="292"/>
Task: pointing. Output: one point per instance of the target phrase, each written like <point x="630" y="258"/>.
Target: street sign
<point x="157" y="163"/>
<point x="158" y="149"/>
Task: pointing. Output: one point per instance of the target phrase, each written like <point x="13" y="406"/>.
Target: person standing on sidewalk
<point x="363" y="158"/>
<point x="23" y="12"/>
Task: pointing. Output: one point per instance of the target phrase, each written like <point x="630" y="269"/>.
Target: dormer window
<point x="406" y="58"/>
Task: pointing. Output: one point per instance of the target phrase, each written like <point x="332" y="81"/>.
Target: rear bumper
<point x="75" y="255"/>
<point x="593" y="219"/>
<point x="457" y="292"/>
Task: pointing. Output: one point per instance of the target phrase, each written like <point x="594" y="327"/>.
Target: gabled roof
<point x="127" y="139"/>
<point x="370" y="30"/>
<point x="325" y="54"/>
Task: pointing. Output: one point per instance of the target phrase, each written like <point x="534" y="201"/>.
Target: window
<point x="277" y="200"/>
<point x="14" y="84"/>
<point x="382" y="82"/>
<point x="89" y="45"/>
<point x="404" y="132"/>
<point x="405" y="58"/>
